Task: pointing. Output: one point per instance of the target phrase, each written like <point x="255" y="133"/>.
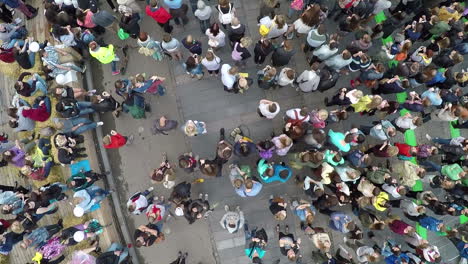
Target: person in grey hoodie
<point x="19" y="122"/>
<point x="315" y="38"/>
<point x="203" y="13"/>
<point x="232" y="221"/>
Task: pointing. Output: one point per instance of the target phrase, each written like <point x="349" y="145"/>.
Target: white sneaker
<point x="428" y="137"/>
<point x="18" y="20"/>
<point x="100" y="123"/>
<point x="150" y="189"/>
<point x="226" y="208"/>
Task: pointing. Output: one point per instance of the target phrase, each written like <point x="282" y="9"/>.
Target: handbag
<point x="145" y="51"/>
<point x="122" y="34"/>
<point x="235" y="55"/>
<point x="225" y="18"/>
<point x="213" y="43"/>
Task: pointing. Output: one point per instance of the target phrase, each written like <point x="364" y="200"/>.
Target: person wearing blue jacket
<point x="399" y="258"/>
<point x="431" y="223"/>
<point x="277" y="172"/>
<point x="339" y="221"/>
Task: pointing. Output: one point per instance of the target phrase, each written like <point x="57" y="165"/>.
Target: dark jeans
<point x="53" y="229"/>
<point x="166" y="26"/>
<point x="179" y="260"/>
<point x="430" y="165"/>
<point x="259" y="58"/>
<point x="204" y="25"/>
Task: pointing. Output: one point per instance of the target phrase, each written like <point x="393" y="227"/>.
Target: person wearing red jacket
<point x="40" y="112"/>
<point x="116" y="140"/>
<point x="160" y="15"/>
<point x="406" y="150"/>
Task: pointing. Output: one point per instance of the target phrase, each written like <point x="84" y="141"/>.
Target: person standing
<point x="262" y="48"/>
<point x="228" y="77"/>
<point x="211" y="62"/>
<point x="172" y="46"/>
<point x="105" y="55"/>
<point x="160" y="15"/>
<point x="309" y="80"/>
<point x="178" y="11"/>
<point x="283" y="54"/>
<point x="226" y="12"/>
<point x="203" y="13"/>
<point x="216" y="37"/>
<point x="116" y="140"/>
<point x="240" y="53"/>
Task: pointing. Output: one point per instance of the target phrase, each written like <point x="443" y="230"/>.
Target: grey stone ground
<point x="205" y="100"/>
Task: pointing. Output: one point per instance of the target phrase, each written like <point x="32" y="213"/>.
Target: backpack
<point x="297" y="5"/>
<point x="225" y="18"/>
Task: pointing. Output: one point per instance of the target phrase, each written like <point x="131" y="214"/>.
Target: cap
<point x="78" y="211"/>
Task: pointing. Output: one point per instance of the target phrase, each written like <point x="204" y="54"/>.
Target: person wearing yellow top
<point x="381" y="201"/>
<point x="105" y="55"/>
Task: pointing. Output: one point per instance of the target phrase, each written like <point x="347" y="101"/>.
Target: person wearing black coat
<point x="105" y="103"/>
<point x="328" y="79"/>
<point x="129" y="23"/>
<point x="262" y="48"/>
<point x="110" y="257"/>
<point x="447" y="59"/>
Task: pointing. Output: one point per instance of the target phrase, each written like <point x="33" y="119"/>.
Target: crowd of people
<point x="419" y="61"/>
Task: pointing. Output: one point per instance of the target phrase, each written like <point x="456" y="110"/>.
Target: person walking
<point x="105" y="55"/>
<point x="203" y="13"/>
<point x="309" y="80"/>
<point x="116" y="140"/>
<point x="160" y="15"/>
<point x="178" y="11"/>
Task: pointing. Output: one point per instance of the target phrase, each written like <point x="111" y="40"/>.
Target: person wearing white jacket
<point x="232" y="221"/>
<point x="277" y="26"/>
<point x="309" y="80"/>
<point x="326" y="51"/>
<point x="286" y="77"/>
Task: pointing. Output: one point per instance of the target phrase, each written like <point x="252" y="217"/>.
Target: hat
<point x="263" y="30"/>
<point x="78" y="236"/>
<point x="34" y="46"/>
<point x="122" y="2"/>
<point x="201" y="5"/>
<point x="78" y="211"/>
<point x="179" y="211"/>
<point x="60" y="79"/>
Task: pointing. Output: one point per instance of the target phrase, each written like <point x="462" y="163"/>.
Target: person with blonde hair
<point x="228" y="77"/>
<point x="277" y="26"/>
<point x="266" y="78"/>
<point x="240" y="53"/>
<point x="211" y="62"/>
<point x="283" y="143"/>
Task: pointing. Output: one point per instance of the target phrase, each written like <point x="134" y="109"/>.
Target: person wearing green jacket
<point x="105" y="55"/>
<point x="340" y="140"/>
